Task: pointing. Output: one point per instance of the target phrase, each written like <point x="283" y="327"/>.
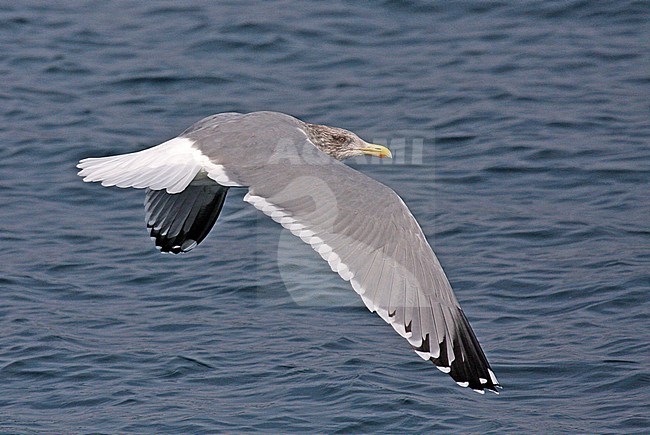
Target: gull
<point x="294" y="174"/>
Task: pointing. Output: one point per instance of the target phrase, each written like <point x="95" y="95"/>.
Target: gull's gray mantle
<point x="293" y="174"/>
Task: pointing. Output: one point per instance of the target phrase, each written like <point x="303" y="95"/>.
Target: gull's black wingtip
<point x="469" y="366"/>
<point x="178" y="222"/>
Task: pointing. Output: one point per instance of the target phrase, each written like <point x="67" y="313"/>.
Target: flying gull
<point x="294" y="174"/>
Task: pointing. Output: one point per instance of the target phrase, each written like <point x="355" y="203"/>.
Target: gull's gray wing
<point x="359" y="226"/>
<point x="368" y="236"/>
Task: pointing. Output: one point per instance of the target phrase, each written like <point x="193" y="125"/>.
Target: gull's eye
<point x="340" y="140"/>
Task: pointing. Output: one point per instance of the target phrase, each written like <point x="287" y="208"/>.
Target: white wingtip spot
<point x="444" y="369"/>
<point x="479" y="391"/>
<point x="492" y="377"/>
<point x="482" y="380"/>
<point x="424" y="355"/>
<point x="463" y="384"/>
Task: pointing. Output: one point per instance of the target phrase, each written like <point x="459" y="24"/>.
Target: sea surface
<point x="521" y="133"/>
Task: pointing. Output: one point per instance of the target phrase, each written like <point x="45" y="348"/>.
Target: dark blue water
<point x="532" y="182"/>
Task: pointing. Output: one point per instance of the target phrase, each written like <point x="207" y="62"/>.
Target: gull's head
<point x="342" y="144"/>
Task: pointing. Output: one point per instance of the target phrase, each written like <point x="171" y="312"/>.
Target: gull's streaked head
<point x="342" y="144"/>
